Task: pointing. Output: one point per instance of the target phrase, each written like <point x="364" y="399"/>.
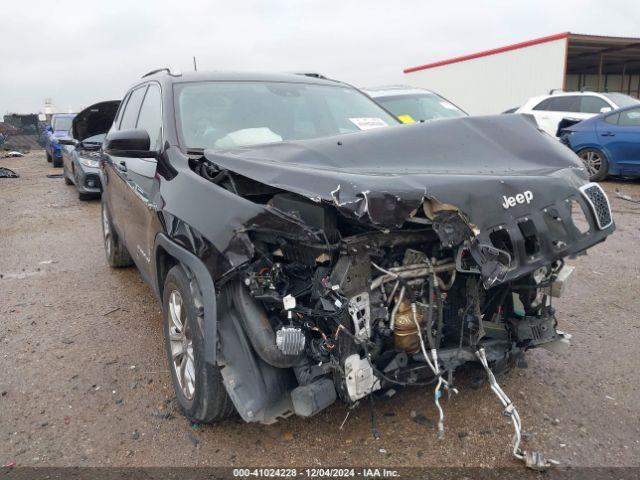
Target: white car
<point x="549" y="110"/>
<point x="410" y="104"/>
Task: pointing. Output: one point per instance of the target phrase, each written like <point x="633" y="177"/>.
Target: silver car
<point x="410" y="104"/>
<point x="81" y="152"/>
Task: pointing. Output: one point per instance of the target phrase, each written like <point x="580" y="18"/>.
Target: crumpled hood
<point x="381" y="176"/>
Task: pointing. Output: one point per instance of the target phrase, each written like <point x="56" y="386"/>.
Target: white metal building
<point x="495" y="80"/>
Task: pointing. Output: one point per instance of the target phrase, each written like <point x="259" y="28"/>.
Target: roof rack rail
<point x="170" y="71"/>
<point x="311" y="74"/>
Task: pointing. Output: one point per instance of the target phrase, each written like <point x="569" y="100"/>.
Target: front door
<point x="143" y="185"/>
<point x="619" y="135"/>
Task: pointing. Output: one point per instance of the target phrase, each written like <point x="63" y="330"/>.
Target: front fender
<point x="205" y="282"/>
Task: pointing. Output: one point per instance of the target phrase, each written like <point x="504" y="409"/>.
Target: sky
<point x="78" y="52"/>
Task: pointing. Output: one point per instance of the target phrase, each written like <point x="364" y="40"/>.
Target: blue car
<point x="608" y="144"/>
<point x="59" y="128"/>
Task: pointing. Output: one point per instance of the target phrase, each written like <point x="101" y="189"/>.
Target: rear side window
<point x="130" y="114"/>
<point x="543" y="105"/>
<point x="591" y="104"/>
<point x="630" y="118"/>
<point x="570" y="103"/>
<point x="150" y="118"/>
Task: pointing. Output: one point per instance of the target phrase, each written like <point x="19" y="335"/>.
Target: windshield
<point x="621" y="100"/>
<point x="237" y="114"/>
<point x="95" y="138"/>
<point x="421" y="107"/>
<point x="62" y="124"/>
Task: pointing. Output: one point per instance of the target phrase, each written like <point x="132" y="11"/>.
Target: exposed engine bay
<point x="357" y="280"/>
<point x="376" y="310"/>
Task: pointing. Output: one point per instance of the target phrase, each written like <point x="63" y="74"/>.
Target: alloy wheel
<point x="181" y="344"/>
<point x="592" y="162"/>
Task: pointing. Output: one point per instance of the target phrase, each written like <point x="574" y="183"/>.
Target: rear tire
<point x="85" y="196"/>
<point x="198" y="384"/>
<point x="115" y="251"/>
<point x="48" y="156"/>
<point x="595" y="162"/>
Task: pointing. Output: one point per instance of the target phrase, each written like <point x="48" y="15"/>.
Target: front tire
<point x="115" y="251"/>
<point x="595" y="162"/>
<point x="65" y="174"/>
<point x="198" y="384"/>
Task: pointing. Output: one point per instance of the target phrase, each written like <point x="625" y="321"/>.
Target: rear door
<point x="143" y="184"/>
<point x="619" y="135"/>
<point x="549" y="112"/>
<point x="115" y="168"/>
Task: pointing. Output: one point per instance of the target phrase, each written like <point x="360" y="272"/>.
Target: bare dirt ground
<point x="84" y="379"/>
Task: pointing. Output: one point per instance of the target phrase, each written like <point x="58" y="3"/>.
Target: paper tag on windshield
<point x="367" y="123"/>
<point x="406" y="118"/>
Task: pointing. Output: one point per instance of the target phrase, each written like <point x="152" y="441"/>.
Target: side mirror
<point x="49" y="128"/>
<point x="605" y="109"/>
<point x="129" y="143"/>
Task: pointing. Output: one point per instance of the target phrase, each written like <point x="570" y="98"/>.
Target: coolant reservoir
<point x="405" y="332"/>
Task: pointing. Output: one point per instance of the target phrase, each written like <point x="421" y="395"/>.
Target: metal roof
<point x="585" y="54"/>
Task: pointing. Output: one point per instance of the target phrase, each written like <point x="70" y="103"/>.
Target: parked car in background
<point x="412" y="104"/>
<point x="59" y="128"/>
<point x="550" y="110"/>
<point x="608" y="144"/>
<point x="81" y="151"/>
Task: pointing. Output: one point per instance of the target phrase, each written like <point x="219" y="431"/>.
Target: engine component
<point x="290" y="340"/>
<point x="310" y="399"/>
<point x="351" y="274"/>
<point x="259" y="330"/>
<point x="405" y="332"/>
<point x="562" y="281"/>
<point x="360" y="311"/>
<point x="534" y="329"/>
<point x="310" y="213"/>
<point x="359" y="377"/>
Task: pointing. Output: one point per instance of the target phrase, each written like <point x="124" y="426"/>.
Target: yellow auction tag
<point x="406" y="119"/>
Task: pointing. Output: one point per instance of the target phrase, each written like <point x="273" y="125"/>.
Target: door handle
<point x="122" y="166"/>
<point x="608" y="134"/>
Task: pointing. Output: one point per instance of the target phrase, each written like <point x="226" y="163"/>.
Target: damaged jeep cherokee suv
<point x="302" y="255"/>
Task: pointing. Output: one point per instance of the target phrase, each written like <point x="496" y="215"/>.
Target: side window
<point x="150" y="118"/>
<point x="612" y="119"/>
<point x="569" y="103"/>
<point x="630" y="118"/>
<point x="543" y="105"/>
<point x="130" y="114"/>
<point x="591" y="104"/>
<point x="116" y="121"/>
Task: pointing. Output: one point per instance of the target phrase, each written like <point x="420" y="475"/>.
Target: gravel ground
<point x="85" y="382"/>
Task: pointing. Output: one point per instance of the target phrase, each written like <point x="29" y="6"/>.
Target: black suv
<point x="305" y="247"/>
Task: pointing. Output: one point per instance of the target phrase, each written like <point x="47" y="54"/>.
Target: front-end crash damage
<point x="391" y="258"/>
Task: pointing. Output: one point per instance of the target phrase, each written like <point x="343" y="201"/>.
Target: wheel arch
<point x="167" y="254"/>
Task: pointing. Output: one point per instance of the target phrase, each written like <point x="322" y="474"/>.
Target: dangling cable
<point x="533" y="460"/>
